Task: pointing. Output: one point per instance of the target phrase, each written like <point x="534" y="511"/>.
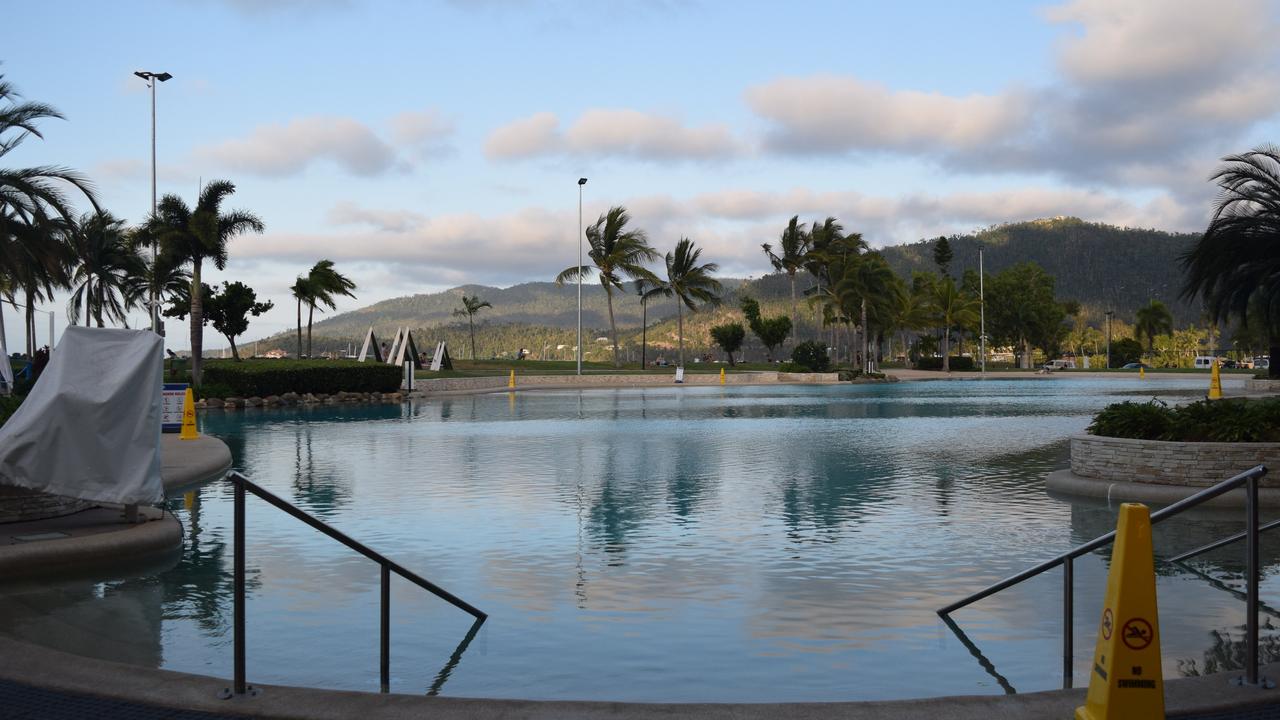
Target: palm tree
<point x="105" y="264"/>
<point x="951" y="307"/>
<point x="1152" y="320"/>
<point x="470" y="306"/>
<point x="304" y="292"/>
<point x="1235" y="266"/>
<point x="822" y="238"/>
<point x="616" y="253"/>
<point x="689" y="282"/>
<point x="646" y="290"/>
<point x="794" y="244"/>
<point x="163" y="277"/>
<point x="197" y="235"/>
<point x="324" y="283"/>
<point x="869" y="285"/>
<point x="35" y="210"/>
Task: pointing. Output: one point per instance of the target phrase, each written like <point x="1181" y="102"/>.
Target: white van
<point x="1060" y="365"/>
<point x="1204" y="362"/>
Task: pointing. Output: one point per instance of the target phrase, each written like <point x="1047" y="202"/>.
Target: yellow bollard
<point x="721" y="376"/>
<point x="1142" y="373"/>
<point x="1126" y="680"/>
<point x="189" y="417"/>
<point x="512" y="382"/>
<point x="189" y="499"/>
<point x="1215" y="383"/>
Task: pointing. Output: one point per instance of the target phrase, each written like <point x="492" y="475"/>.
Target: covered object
<point x="90" y="428"/>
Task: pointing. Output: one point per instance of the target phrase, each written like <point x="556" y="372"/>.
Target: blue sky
<point x="422" y="145"/>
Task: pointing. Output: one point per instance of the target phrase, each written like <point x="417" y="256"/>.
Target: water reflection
<point x="701" y="544"/>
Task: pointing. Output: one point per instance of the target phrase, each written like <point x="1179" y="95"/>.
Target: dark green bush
<point x="792" y="367"/>
<point x="812" y="355"/>
<point x="1125" y="351"/>
<point x="8" y="404"/>
<point x="1234" y="420"/>
<point x="961" y="363"/>
<point x="276" y="377"/>
<point x="848" y="375"/>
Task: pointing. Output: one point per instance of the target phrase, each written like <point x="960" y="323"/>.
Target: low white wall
<point x="615" y="381"/>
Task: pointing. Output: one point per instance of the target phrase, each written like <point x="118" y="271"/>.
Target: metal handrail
<point x="388" y="566"/>
<point x="1248" y="479"/>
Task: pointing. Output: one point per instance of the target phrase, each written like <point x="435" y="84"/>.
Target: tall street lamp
<point x="1109" y="313"/>
<point x="151" y="79"/>
<point x="581" y="182"/>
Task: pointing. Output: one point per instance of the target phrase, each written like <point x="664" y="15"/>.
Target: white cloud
<point x="425" y="132"/>
<point x="823" y="113"/>
<point x="279" y="150"/>
<point x="612" y="132"/>
<point x="347" y="213"/>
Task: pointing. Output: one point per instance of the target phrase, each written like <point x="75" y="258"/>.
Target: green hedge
<point x="935" y="363"/>
<point x="8" y="404"/>
<point x="276" y="377"/>
<point x="1234" y="420"/>
<point x="812" y="356"/>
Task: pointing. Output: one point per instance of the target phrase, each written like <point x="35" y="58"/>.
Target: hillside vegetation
<point x="1101" y="266"/>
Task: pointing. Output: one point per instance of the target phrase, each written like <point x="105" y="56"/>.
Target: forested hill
<point x="1102" y="266"/>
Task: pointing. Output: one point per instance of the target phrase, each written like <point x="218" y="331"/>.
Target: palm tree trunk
<point x="795" y="318"/>
<point x="1273" y="367"/>
<point x="30" y="317"/>
<point x="299" y="328"/>
<point x="680" y="329"/>
<point x="197" y="324"/>
<point x="613" y="328"/>
<point x="946" y="348"/>
<point x="311" y="310"/>
<point x="471" y="327"/>
<point x="866" y="360"/>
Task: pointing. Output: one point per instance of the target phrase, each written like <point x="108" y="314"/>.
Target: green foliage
<point x="942" y="255"/>
<point x="276" y="377"/>
<point x="1125" y="351"/>
<point x="1022" y="310"/>
<point x="729" y="337"/>
<point x="811" y="355"/>
<point x="8" y="405"/>
<point x="962" y="362"/>
<point x="229" y="310"/>
<point x="772" y="331"/>
<point x="792" y="367"/>
<point x="1234" y="420"/>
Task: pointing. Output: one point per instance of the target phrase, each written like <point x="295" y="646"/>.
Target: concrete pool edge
<point x="1067" y="484"/>
<point x="48" y="669"/>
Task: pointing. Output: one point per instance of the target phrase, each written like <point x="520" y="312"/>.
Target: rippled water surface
<point x="700" y="544"/>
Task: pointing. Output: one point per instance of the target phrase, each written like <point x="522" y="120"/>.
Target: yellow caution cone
<point x="721" y="376"/>
<point x="1126" y="680"/>
<point x="1215" y="383"/>
<point x="1142" y="373"/>
<point x="189" y="417"/>
<point x="512" y="381"/>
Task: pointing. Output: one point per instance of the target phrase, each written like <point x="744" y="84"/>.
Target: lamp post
<point x="1109" y="313"/>
<point x="151" y="78"/>
<point x="35" y="345"/>
<point x="581" y="182"/>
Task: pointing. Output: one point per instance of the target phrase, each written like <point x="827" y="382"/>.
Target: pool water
<point x="675" y="544"/>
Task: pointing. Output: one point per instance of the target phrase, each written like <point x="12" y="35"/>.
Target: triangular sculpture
<point x="395" y="347"/>
<point x="440" y="361"/>
<point x="370" y="343"/>
<point x="408" y="351"/>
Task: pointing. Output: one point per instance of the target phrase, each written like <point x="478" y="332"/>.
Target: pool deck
<point x="89" y="539"/>
<point x="46" y="677"/>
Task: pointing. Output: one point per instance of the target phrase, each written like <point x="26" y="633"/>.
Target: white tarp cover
<point x="91" y="426"/>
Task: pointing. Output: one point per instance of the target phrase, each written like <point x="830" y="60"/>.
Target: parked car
<point x="1135" y="366"/>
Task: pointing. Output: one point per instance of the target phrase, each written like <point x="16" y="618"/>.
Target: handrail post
<point x="238" y="571"/>
<point x="385" y="642"/>
<point x="1251" y="565"/>
<point x="1068" y="622"/>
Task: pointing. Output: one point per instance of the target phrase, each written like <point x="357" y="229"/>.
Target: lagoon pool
<point x="783" y="543"/>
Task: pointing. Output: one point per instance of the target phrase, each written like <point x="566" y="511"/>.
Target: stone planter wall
<point x="1170" y="463"/>
<point x="1255" y="385"/>
<point x="20" y="504"/>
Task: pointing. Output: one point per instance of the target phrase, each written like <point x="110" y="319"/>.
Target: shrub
<point x="811" y="355"/>
<point x="792" y="367"/>
<point x="1234" y="420"/>
<point x="276" y="377"/>
<point x="1125" y="351"/>
<point x="961" y="363"/>
<point x="8" y="404"/>
<point x="847" y="375"/>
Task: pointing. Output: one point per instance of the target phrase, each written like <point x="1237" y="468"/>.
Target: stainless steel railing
<point x="242" y="485"/>
<point x="1248" y="480"/>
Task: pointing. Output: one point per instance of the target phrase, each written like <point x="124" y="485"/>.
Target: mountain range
<point x="1103" y="267"/>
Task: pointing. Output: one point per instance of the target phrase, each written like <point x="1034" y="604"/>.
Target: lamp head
<point x="163" y="77"/>
<point x="582" y="181"/>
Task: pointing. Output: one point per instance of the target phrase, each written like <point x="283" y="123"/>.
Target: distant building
<point x="275" y="354"/>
